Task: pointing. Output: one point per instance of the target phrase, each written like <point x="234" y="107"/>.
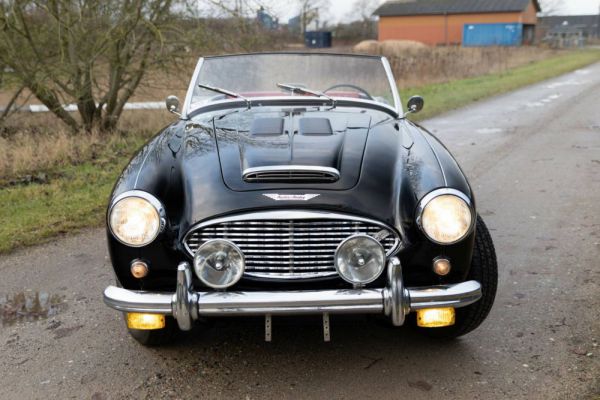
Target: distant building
<point x="295" y="24"/>
<point x="566" y="36"/>
<point x="265" y="20"/>
<point x="589" y="25"/>
<point x="454" y="22"/>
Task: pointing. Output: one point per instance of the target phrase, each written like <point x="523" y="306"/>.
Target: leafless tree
<point x="238" y="8"/>
<point x="94" y="53"/>
<point x="363" y="14"/>
<point x="311" y="11"/>
<point x="364" y="9"/>
<point x="551" y="7"/>
<point x="12" y="105"/>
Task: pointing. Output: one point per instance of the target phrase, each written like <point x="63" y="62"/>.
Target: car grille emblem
<point x="290" y="197"/>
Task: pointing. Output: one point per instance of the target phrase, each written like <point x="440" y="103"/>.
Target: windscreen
<point x="257" y="75"/>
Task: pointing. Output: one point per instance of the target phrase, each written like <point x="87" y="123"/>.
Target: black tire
<point x="484" y="269"/>
<point x="158" y="337"/>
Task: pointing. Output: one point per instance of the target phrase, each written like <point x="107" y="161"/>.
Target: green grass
<point x="444" y="97"/>
<point x="75" y="196"/>
<point x="33" y="213"/>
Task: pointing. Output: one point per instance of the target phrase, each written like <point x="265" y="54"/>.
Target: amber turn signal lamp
<point x="441" y="266"/>
<point x="139" y="269"/>
<point x="435" y="317"/>
<point x="145" y="321"/>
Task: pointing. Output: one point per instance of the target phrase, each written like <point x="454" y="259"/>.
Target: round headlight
<point x="135" y="219"/>
<point x="219" y="263"/>
<point x="446" y="218"/>
<point x="360" y="259"/>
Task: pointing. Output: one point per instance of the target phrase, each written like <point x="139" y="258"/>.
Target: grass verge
<point x="452" y="95"/>
<point x="72" y="197"/>
<point x="75" y="196"/>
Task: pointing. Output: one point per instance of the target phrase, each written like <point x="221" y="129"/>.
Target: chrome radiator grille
<point x="289" y="248"/>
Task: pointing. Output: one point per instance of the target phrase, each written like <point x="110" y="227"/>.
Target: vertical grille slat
<point x="290" y="248"/>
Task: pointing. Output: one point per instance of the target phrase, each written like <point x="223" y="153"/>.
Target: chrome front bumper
<point x="394" y="300"/>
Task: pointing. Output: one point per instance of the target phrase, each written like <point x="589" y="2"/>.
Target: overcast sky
<point x="341" y="10"/>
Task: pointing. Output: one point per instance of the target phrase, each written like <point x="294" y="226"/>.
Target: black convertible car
<point x="294" y="184"/>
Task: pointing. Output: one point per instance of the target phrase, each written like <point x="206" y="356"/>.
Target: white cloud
<point x="576" y="7"/>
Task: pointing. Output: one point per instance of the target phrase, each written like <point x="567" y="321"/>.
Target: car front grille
<point x="300" y="246"/>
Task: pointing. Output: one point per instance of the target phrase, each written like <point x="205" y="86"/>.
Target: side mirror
<point x="415" y="104"/>
<point x="172" y="104"/>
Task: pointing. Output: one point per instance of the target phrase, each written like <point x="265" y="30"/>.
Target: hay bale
<point x="367" y="47"/>
<point x="395" y="48"/>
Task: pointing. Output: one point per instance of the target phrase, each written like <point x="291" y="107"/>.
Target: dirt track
<point x="533" y="157"/>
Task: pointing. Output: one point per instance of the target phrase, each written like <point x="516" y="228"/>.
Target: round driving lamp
<point x="136" y="218"/>
<point x="445" y="216"/>
<point x="360" y="259"/>
<point x="219" y="263"/>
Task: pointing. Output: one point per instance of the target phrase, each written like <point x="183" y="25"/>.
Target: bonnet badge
<point x="290" y="197"/>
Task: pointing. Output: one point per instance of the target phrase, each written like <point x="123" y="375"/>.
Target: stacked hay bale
<point x="388" y="48"/>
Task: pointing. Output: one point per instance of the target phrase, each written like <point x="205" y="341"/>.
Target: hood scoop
<point x="279" y="150"/>
<point x="291" y="174"/>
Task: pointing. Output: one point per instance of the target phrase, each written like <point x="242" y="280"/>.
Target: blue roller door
<point x="493" y="35"/>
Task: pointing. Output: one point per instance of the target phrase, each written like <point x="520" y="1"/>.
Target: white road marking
<point x="570" y="82"/>
<point x="544" y="101"/>
<point x="489" y="131"/>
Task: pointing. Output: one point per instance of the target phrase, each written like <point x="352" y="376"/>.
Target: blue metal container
<point x="480" y="35"/>
<point x="317" y="39"/>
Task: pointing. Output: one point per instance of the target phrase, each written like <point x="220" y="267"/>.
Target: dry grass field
<point x="415" y="64"/>
<point x="38" y="142"/>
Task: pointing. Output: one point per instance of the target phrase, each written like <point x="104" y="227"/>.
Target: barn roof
<point x="436" y="7"/>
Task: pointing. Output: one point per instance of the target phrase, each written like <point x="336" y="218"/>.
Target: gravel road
<point x="533" y="157"/>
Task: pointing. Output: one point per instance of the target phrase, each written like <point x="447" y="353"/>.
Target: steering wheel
<point x="348" y="85"/>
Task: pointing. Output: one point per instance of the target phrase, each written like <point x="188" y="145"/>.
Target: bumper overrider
<point x="394" y="300"/>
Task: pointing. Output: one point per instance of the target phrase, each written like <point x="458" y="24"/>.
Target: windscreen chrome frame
<point x="393" y="86"/>
<point x="190" y="92"/>
<point x="396" y="108"/>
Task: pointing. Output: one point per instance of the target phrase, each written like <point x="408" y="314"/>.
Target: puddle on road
<point x="30" y="306"/>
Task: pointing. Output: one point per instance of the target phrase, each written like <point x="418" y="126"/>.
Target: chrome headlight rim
<point x="237" y="277"/>
<point x="154" y="202"/>
<point x="441" y="192"/>
<point x="375" y="277"/>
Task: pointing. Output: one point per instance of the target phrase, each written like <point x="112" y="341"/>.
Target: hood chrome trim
<point x="290" y="173"/>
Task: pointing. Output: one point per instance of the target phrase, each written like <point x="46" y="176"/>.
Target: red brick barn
<point x="453" y="22"/>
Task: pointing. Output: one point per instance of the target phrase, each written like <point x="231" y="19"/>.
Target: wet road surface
<point x="533" y="157"/>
